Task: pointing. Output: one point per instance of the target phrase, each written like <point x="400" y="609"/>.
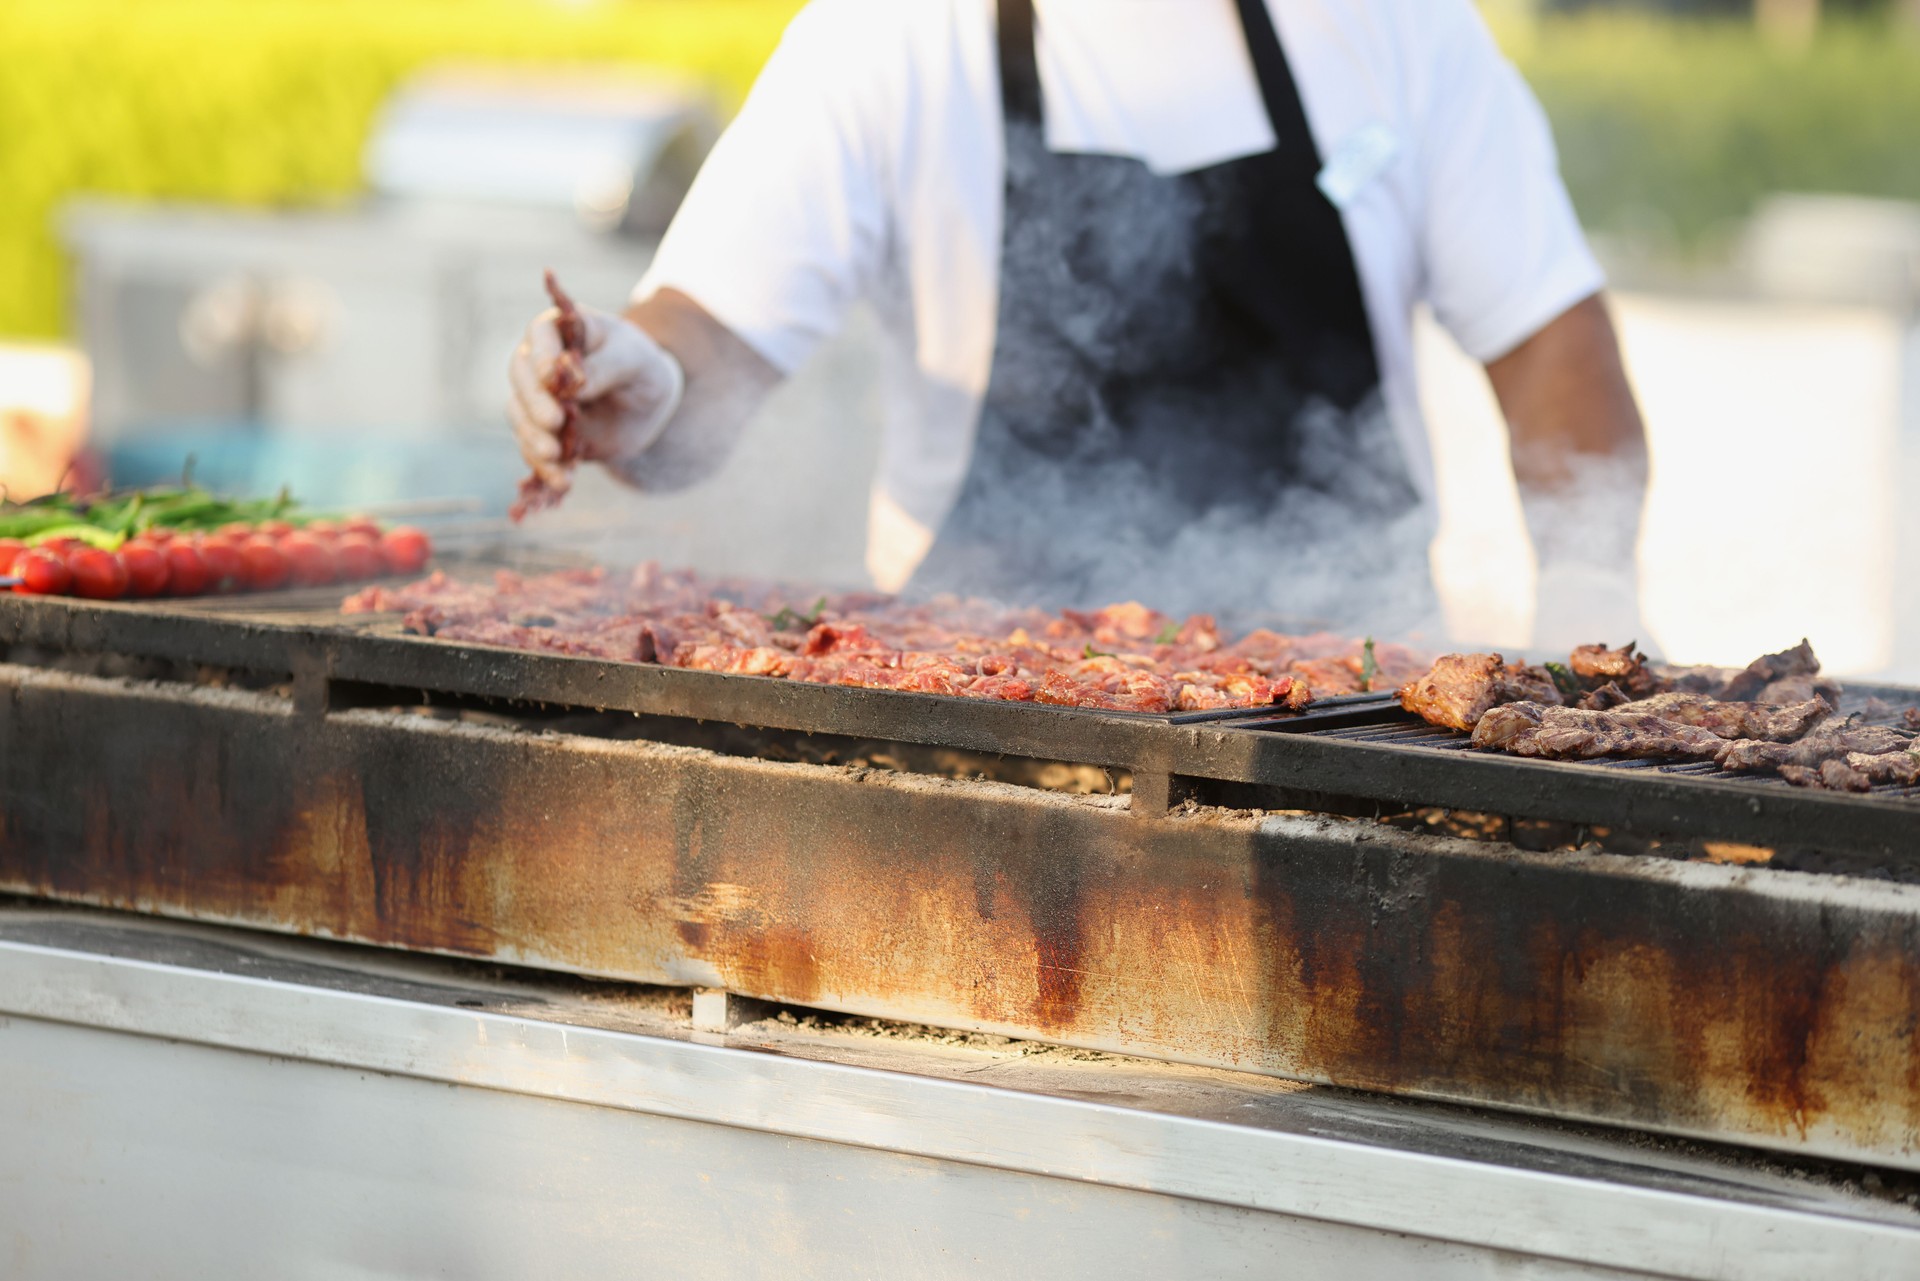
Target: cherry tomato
<point x="10" y="549"/>
<point x="359" y="524"/>
<point x="146" y="569"/>
<point x="325" y="531"/>
<point x="267" y="567"/>
<point x="187" y="571"/>
<point x="240" y="529"/>
<point x="273" y="529"/>
<point x="312" y="562"/>
<point x="41" y="573"/>
<point x="226" y="567"/>
<point x="98" y="575"/>
<point x="62" y="545"/>
<point x="159" y="536"/>
<point x="406" y="549"/>
<point x="358" y="556"/>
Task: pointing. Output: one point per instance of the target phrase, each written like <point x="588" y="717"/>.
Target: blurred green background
<point x="1670" y="127"/>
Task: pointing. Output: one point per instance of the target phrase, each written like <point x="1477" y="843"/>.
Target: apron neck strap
<point x="1020" y="77"/>
<point x="1294" y="146"/>
<point x="1019" y="67"/>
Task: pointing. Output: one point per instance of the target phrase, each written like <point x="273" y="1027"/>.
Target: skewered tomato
<point x="62" y="545"/>
<point x="226" y="567"/>
<point x="97" y="575"/>
<point x="10" y="549"/>
<point x="41" y="573"/>
<point x="146" y="569"/>
<point x="266" y="566"/>
<point x="326" y="531"/>
<point x="361" y="525"/>
<point x="238" y="529"/>
<point x="358" y="556"/>
<point x="312" y="563"/>
<point x="187" y="571"/>
<point x="159" y="535"/>
<point x="406" y="549"/>
<point x="273" y="529"/>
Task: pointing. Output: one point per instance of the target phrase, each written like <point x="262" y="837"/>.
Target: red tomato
<point x="10" y="549"/>
<point x="267" y="567"/>
<point x="273" y="528"/>
<point x="241" y="529"/>
<point x="358" y="556"/>
<point x="159" y="535"/>
<point x="325" y="531"/>
<point x="406" y="549"/>
<point x="226" y="568"/>
<point x="187" y="571"/>
<point x="312" y="562"/>
<point x="41" y="573"/>
<point x="146" y="569"/>
<point x="361" y="525"/>
<point x="61" y="546"/>
<point x="98" y="575"/>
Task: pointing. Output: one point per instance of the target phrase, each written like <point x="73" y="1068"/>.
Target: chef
<point x="1148" y="271"/>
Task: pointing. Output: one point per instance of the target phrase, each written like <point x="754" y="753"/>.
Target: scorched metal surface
<point x="1772" y="1008"/>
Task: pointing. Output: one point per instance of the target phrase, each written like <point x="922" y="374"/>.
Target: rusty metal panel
<point x="1732" y="1003"/>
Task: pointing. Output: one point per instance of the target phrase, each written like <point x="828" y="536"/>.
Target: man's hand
<point x="1580" y="457"/>
<point x="632" y="388"/>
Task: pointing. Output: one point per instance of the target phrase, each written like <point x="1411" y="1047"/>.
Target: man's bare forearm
<point x="726" y="382"/>
<point x="1579" y="445"/>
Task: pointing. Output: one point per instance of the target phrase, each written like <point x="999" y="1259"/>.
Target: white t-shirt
<point x="868" y="162"/>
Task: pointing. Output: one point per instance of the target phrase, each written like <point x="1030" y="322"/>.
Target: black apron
<point x="1184" y="406"/>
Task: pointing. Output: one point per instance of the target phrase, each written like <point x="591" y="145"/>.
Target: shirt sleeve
<point x="1503" y="247"/>
<point x="785" y="225"/>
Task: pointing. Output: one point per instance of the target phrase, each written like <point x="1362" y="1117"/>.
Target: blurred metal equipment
<point x="394" y="315"/>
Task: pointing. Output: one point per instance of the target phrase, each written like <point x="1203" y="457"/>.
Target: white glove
<point x="632" y="388"/>
<point x="1588" y="604"/>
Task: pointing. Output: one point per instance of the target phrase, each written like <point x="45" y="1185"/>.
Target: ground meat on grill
<point x="1461" y="688"/>
<point x="1767" y="721"/>
<point x="1571" y="734"/>
<point x="1596" y="665"/>
<point x="1831" y="740"/>
<point x="1764" y="671"/>
<point x="1124" y="657"/>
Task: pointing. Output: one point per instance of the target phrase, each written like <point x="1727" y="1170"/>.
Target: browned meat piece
<point x="1832" y="740"/>
<point x="1912" y="718"/>
<point x="1762" y="672"/>
<point x="1695" y="680"/>
<point x="1798" y="689"/>
<point x="1738" y="720"/>
<point x="1604" y="699"/>
<point x="1499" y="726"/>
<point x="1889" y="767"/>
<point x="1460" y="688"/>
<point x="1571" y="734"/>
<point x="1830" y="776"/>
<point x="569" y="378"/>
<point x="1596" y="665"/>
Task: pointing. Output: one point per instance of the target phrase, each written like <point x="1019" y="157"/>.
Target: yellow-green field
<point x="267" y="102"/>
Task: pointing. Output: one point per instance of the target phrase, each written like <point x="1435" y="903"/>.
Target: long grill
<point x="269" y="763"/>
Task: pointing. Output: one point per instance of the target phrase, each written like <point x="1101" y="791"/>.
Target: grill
<point x="267" y="762"/>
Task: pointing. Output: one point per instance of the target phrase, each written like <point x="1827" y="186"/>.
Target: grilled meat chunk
<point x="1461" y="688"/>
<point x="1573" y="734"/>
<point x="1604" y="699"/>
<point x="1500" y="726"/>
<point x="1831" y="740"/>
<point x="1766" y="721"/>
<point x="1911" y="718"/>
<point x="1764" y="671"/>
<point x="1798" y="689"/>
<point x="1596" y="665"/>
<point x="1830" y="776"/>
<point x="1902" y="768"/>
